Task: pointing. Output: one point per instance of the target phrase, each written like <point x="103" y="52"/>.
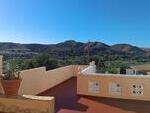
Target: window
<point x="137" y="89"/>
<point x="93" y="87"/>
<point x="114" y="89"/>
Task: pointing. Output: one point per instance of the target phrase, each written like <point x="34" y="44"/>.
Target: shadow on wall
<point x="66" y="99"/>
<point x="65" y="96"/>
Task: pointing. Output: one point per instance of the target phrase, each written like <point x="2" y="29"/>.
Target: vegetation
<point x="108" y="58"/>
<point x="11" y="70"/>
<point x="37" y="61"/>
<point x="104" y="64"/>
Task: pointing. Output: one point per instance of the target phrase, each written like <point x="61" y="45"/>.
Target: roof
<point x="67" y="101"/>
<point x="145" y="67"/>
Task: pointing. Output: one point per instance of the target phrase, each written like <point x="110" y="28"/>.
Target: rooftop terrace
<point x="67" y="101"/>
<point x="69" y="85"/>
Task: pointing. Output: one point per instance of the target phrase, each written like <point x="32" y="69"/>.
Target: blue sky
<point x="53" y="21"/>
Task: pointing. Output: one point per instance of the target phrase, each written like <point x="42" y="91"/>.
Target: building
<point x="78" y="89"/>
<point x="139" y="70"/>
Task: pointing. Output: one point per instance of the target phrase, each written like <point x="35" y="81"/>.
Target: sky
<point x="54" y="21"/>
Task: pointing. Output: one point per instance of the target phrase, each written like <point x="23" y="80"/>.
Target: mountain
<point x="128" y="49"/>
<point x="72" y="48"/>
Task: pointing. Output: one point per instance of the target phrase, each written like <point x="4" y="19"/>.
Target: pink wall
<point x="104" y="81"/>
<point x="37" y="80"/>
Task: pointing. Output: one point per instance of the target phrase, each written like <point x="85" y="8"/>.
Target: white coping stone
<point x="92" y="63"/>
<point x="89" y="69"/>
<point x="116" y="75"/>
<point x="38" y="97"/>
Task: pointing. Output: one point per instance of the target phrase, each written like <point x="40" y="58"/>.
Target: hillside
<point x="72" y="48"/>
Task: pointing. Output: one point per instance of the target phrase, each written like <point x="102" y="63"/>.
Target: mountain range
<point x="71" y="48"/>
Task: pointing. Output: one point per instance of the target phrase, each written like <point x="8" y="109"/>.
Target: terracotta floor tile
<point x="68" y="102"/>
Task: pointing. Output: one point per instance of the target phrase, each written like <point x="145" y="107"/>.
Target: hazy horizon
<point x="50" y="22"/>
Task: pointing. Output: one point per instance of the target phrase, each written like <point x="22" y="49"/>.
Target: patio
<point x="68" y="102"/>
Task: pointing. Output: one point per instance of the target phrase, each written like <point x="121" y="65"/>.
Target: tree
<point x="44" y="60"/>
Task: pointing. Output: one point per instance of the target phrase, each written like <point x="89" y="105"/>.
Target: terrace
<point x="66" y="88"/>
<point x="67" y="101"/>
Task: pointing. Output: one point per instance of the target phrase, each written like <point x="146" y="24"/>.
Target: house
<point x="139" y="70"/>
<point x="75" y="89"/>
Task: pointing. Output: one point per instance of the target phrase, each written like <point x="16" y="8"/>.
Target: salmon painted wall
<point x="27" y="104"/>
<point x="58" y="75"/>
<point x="126" y="83"/>
<point x="35" y="81"/>
<point x="76" y="69"/>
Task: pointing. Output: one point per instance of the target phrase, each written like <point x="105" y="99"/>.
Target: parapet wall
<point x="35" y="81"/>
<point x="27" y="104"/>
<point x="114" y="86"/>
<point x="76" y="69"/>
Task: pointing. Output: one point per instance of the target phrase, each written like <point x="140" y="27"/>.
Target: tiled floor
<point x="68" y="102"/>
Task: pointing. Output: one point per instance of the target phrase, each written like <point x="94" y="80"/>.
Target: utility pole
<point x="71" y="53"/>
<point x="88" y="50"/>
